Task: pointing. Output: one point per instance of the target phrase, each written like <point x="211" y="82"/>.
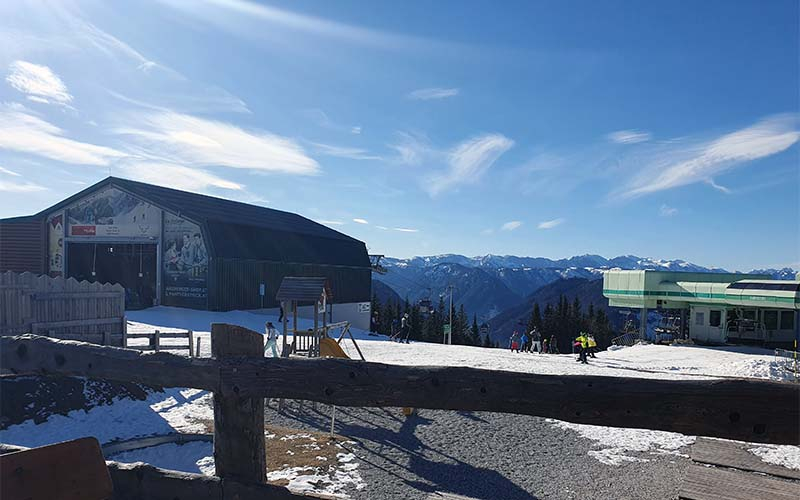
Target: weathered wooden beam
<point x="746" y="410"/>
<point x="239" y="443"/>
<point x="735" y="455"/>
<point x="37" y="355"/>
<point x="146" y="442"/>
<point x="712" y="483"/>
<point x="144" y="482"/>
<point x="139" y="481"/>
<point x="742" y="409"/>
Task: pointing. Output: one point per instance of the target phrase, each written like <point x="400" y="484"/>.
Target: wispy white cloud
<point x="382" y="228"/>
<point x="193" y="141"/>
<point x="405" y="230"/>
<point x="487" y="231"/>
<point x="8" y="172"/>
<point x="322" y="119"/>
<point x="360" y="221"/>
<point x="428" y="94"/>
<point x="511" y="225"/>
<point x="679" y="163"/>
<point x="331" y="222"/>
<point x="60" y="31"/>
<point x="467" y="162"/>
<point x="38" y="82"/>
<point x="718" y="187"/>
<point x="667" y="211"/>
<point x="344" y="152"/>
<point x="23" y="132"/>
<point x="413" y="148"/>
<point x="176" y="176"/>
<point x="7" y="186"/>
<point x="247" y="18"/>
<point x="629" y="136"/>
<point x="550" y="224"/>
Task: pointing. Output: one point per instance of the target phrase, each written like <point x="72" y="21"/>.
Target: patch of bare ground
<point x="289" y="448"/>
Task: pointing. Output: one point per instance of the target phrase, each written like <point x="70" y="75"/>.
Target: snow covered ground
<point x="185" y="410"/>
<point x="644" y="361"/>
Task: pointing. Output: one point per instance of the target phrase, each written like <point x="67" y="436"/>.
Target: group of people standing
<point x="586" y="347"/>
<point x="533" y="341"/>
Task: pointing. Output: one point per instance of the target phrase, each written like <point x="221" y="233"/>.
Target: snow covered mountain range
<point x="487" y="285"/>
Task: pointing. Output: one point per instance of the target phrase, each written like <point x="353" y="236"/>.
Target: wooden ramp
<point x="725" y="470"/>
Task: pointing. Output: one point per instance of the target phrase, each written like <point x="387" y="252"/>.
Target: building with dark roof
<point x="176" y="248"/>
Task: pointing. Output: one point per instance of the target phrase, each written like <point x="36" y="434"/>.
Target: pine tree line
<point x="427" y="327"/>
<point x="564" y="321"/>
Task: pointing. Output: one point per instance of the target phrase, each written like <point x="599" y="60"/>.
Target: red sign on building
<point x="84" y="230"/>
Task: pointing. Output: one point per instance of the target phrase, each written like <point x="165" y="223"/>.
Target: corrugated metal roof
<point x="204" y="208"/>
<point x="240" y="230"/>
<point x="303" y="289"/>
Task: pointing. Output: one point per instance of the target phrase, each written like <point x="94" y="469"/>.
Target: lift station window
<point x="770" y="320"/>
<point x="700" y="318"/>
<point x="787" y="320"/>
<point x="715" y="318"/>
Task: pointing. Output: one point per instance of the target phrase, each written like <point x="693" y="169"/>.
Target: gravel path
<point x="482" y="455"/>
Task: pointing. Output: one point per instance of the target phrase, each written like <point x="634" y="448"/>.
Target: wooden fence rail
<point x="154" y="341"/>
<point x="741" y="409"/>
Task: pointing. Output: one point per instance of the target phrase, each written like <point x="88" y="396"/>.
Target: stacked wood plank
<point x="726" y="470"/>
<point x="62" y="308"/>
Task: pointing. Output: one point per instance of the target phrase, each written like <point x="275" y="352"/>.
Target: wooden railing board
<point x="712" y="483"/>
<point x="735" y="455"/>
<point x="37" y="355"/>
<point x="742" y="409"/>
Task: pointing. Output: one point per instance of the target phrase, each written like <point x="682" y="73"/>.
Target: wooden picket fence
<point x="756" y="411"/>
<point x="62" y="308"/>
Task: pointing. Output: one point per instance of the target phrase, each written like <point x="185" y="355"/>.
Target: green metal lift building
<point x="722" y="308"/>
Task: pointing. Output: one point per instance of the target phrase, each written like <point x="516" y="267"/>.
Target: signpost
<point x="447" y="335"/>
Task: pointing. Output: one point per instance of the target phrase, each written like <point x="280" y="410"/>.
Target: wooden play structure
<point x="303" y="291"/>
<point x="315" y="342"/>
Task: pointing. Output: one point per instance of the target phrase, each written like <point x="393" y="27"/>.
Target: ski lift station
<point x="714" y="308"/>
<point x="175" y="248"/>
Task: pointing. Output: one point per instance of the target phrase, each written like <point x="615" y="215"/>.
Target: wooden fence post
<point x="157" y="341"/>
<point x="239" y="443"/>
<point x="191" y="343"/>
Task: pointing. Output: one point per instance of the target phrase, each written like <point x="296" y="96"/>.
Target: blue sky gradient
<point x="666" y="129"/>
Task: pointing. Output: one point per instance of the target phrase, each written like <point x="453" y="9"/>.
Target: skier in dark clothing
<point x="553" y="347"/>
<point x="405" y="329"/>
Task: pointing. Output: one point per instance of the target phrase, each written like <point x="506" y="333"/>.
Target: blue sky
<point x="666" y="129"/>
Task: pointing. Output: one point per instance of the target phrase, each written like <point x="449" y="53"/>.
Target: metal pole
<point x="643" y="324"/>
<point x="450" y="333"/>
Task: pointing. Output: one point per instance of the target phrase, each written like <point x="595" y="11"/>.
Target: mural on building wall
<point x="185" y="263"/>
<point x="111" y="212"/>
<point x="55" y="245"/>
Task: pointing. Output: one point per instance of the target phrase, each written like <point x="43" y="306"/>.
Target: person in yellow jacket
<point x="592" y="345"/>
<point x="583" y="340"/>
